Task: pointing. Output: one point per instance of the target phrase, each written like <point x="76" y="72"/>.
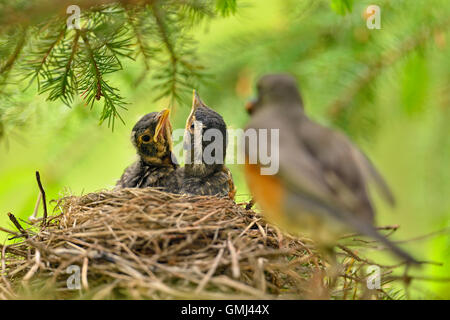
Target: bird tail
<point x="355" y="222"/>
<point x="371" y="231"/>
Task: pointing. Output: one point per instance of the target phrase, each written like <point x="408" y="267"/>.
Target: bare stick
<point x="17" y="224"/>
<point x="250" y="204"/>
<point x="234" y="260"/>
<point x="391" y="228"/>
<point x="9" y="231"/>
<point x="44" y="202"/>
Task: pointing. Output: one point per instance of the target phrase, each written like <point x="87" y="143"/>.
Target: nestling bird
<point x="321" y="187"/>
<point x="156" y="165"/>
<point x="204" y="172"/>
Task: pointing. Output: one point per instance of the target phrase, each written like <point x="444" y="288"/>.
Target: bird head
<point x="198" y="136"/>
<point x="275" y="89"/>
<point x="152" y="137"/>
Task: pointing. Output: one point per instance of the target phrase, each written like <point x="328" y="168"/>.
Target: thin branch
<point x="163" y="31"/>
<point x="71" y="58"/>
<point x="139" y="39"/>
<point x="49" y="50"/>
<point x="9" y="231"/>
<point x="409" y="278"/>
<point x="37" y="11"/>
<point x="392" y="228"/>
<point x="44" y="201"/>
<point x="425" y="236"/>
<point x="98" y="74"/>
<point x="17" y="224"/>
<point x="173" y="57"/>
<point x="13" y="58"/>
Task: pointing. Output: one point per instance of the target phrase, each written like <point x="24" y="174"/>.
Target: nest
<point x="148" y="244"/>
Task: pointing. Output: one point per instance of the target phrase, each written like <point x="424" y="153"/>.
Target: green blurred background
<point x="388" y="89"/>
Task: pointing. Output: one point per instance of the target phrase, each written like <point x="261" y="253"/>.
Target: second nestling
<point x="157" y="165"/>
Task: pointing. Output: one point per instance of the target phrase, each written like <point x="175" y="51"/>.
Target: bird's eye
<point x="146" y="138"/>
<point x="192" y="126"/>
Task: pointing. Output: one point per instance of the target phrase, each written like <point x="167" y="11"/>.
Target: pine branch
<point x="226" y="7"/>
<point x="6" y="67"/>
<point x="98" y="76"/>
<point x="179" y="74"/>
<point x="33" y="12"/>
<point x="60" y="80"/>
<point x="39" y="65"/>
<point x="69" y="63"/>
<point x="163" y="31"/>
<point x="65" y="63"/>
<point x="171" y="82"/>
<point x="13" y="114"/>
<point x="94" y="86"/>
<point x="143" y="49"/>
<point x="193" y="11"/>
<point x="373" y="69"/>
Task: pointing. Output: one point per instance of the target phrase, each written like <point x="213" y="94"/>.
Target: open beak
<point x="196" y="102"/>
<point x="163" y="123"/>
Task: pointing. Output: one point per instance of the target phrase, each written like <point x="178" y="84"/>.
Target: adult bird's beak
<point x="163" y="122"/>
<point x="249" y="106"/>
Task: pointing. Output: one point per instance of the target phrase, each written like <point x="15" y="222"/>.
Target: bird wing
<point x="130" y="176"/>
<point x="339" y="156"/>
<point x="371" y="174"/>
<point x="322" y="163"/>
<point x="139" y="176"/>
<point x="333" y="157"/>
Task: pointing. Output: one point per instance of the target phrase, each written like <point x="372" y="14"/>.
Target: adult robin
<point x="321" y="186"/>
<point x="205" y="143"/>
<point x="156" y="165"/>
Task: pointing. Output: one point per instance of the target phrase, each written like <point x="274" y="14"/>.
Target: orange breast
<point x="267" y="191"/>
<point x="270" y="195"/>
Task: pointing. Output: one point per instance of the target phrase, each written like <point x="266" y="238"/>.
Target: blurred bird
<point x="156" y="165"/>
<point x="321" y="187"/>
<point x="205" y="130"/>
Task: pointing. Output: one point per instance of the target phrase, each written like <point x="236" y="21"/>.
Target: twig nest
<point x="149" y="244"/>
<point x="144" y="243"/>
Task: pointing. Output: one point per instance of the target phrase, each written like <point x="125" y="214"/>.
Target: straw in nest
<point x="148" y="244"/>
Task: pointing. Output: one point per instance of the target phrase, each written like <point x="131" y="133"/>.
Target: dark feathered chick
<point x="156" y="165"/>
<point x="205" y="129"/>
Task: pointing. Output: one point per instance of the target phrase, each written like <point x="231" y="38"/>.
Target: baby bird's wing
<point x="130" y="176"/>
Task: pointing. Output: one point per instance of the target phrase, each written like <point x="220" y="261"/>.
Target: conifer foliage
<point x="38" y="45"/>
